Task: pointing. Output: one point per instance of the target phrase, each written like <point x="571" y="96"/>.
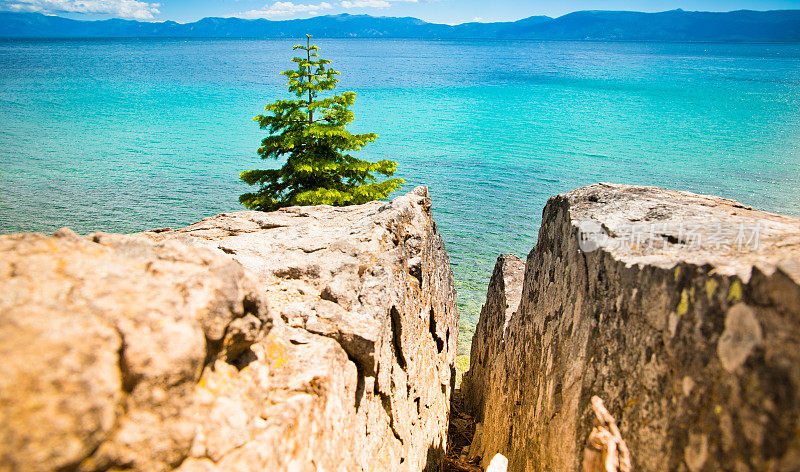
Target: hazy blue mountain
<point x="675" y="25"/>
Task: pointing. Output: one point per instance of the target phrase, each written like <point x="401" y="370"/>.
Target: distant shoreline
<point x="500" y="40"/>
<point x="675" y="26"/>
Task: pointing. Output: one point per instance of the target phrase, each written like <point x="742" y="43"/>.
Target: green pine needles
<point x="310" y="132"/>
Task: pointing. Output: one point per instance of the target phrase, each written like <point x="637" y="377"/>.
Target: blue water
<point x="125" y="135"/>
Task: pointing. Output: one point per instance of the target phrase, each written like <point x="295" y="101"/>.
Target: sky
<point x="437" y="11"/>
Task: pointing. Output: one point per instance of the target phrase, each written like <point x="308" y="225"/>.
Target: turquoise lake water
<point x="126" y="135"/>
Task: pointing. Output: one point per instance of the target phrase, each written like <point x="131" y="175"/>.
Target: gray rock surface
<point x="157" y="351"/>
<point x="687" y="329"/>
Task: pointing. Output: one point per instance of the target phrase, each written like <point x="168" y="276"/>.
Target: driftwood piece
<point x="606" y="451"/>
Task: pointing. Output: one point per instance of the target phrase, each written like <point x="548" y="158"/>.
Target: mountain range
<point x="674" y="25"/>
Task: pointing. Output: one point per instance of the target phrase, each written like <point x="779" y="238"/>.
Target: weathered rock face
<point x="689" y="333"/>
<point x="173" y="362"/>
<point x="103" y="343"/>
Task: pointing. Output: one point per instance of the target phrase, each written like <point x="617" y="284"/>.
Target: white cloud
<point x="133" y="9"/>
<point x="278" y="9"/>
<point x="366" y="4"/>
<point x="290" y="9"/>
<point x="371" y="3"/>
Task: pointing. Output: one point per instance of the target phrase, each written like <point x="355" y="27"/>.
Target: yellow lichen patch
<point x="383" y="458"/>
<point x="372" y="262"/>
<point x="677" y="272"/>
<point x="711" y="287"/>
<point x="209" y="384"/>
<point x="276" y="353"/>
<point x="219" y="379"/>
<point x="683" y="305"/>
<point x="735" y="292"/>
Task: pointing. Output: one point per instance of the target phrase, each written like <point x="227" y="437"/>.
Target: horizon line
<point x="394" y="17"/>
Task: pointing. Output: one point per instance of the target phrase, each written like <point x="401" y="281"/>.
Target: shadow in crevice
<point x="397" y="336"/>
<point x="435" y="460"/>
<point x="432" y="327"/>
<point x="461" y="430"/>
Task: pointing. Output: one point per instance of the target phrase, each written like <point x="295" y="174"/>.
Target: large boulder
<point x="350" y="368"/>
<point x="680" y="311"/>
<point x="103" y="342"/>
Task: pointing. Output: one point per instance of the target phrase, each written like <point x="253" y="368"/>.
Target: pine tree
<point x="310" y="132"/>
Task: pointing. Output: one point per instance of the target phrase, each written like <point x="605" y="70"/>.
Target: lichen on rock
<point x="310" y="338"/>
<point x="692" y="345"/>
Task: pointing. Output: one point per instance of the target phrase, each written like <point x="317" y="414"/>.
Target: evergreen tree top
<point x="318" y="168"/>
